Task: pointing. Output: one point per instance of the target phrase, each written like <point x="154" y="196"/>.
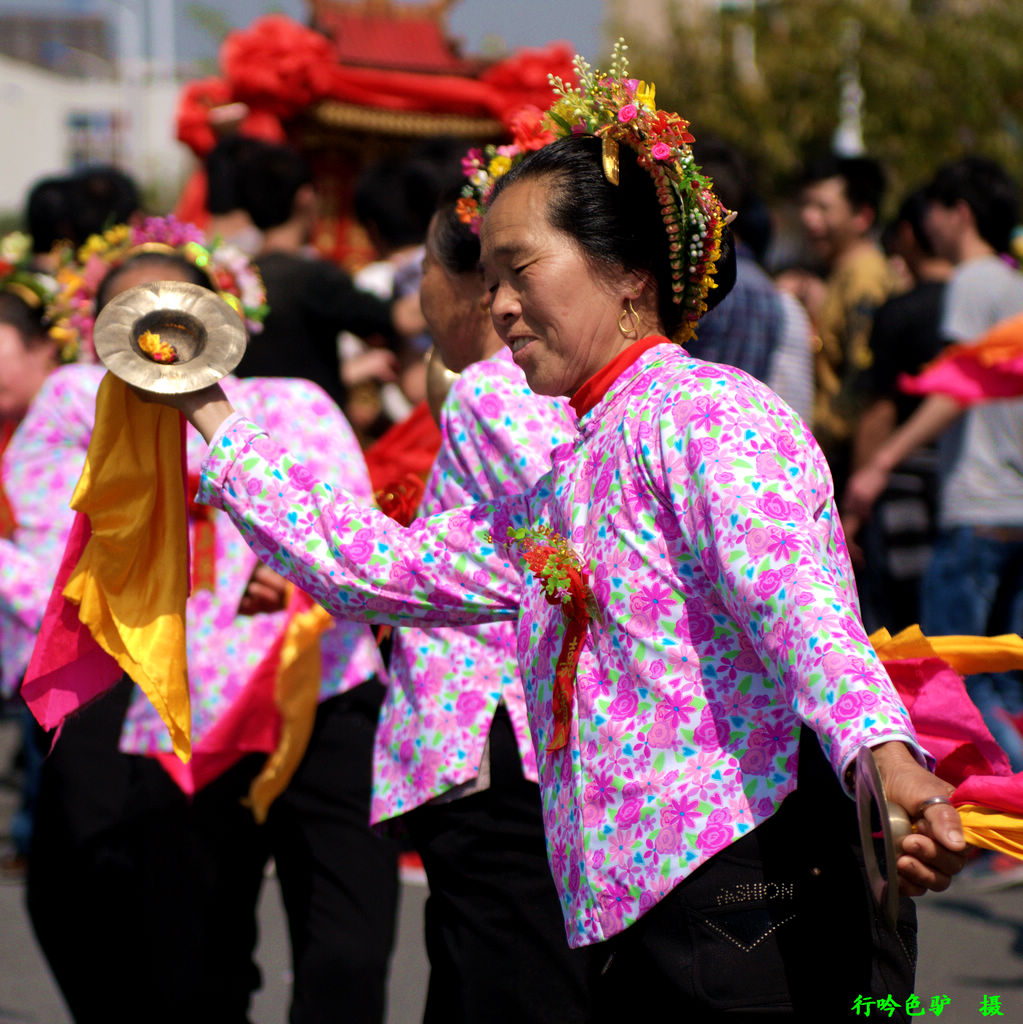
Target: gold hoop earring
<point x="628" y="311"/>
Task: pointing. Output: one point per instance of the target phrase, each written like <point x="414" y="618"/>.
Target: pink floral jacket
<point x="703" y="513"/>
<point x="446" y="683"/>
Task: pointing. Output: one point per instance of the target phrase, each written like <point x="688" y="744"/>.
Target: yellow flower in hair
<point x="234" y="302"/>
<point x="198" y="254"/>
<point x="113" y="238"/>
<point x="565" y="113"/>
<point x="645" y="95"/>
<point x="62" y="335"/>
<point x="92" y="245"/>
<point x="498" y="166"/>
<point x="69" y="281"/>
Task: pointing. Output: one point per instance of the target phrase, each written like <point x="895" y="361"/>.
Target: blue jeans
<point x="974" y="587"/>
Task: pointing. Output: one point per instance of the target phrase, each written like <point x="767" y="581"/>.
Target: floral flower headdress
<point x="620" y="109"/>
<point x="72" y="312"/>
<point x="484" y="166"/>
<point x="18" y="277"/>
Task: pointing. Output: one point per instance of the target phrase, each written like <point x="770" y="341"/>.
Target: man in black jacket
<point x="311" y="300"/>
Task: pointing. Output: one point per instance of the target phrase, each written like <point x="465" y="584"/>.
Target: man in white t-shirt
<point x="974" y="583"/>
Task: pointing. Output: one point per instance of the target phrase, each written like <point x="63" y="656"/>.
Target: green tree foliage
<point x="940" y="78"/>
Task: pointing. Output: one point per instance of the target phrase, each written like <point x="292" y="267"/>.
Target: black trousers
<point x="495" y="934"/>
<point x="143" y="901"/>
<point x="779" y="926"/>
<point x="339" y="877"/>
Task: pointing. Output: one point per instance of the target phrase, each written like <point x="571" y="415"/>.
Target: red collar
<point x="7" y="520"/>
<point x="590" y="392"/>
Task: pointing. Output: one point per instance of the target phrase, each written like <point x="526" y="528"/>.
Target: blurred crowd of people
<point x="931" y="497"/>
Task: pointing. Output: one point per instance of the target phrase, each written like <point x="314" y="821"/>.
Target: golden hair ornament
<point x="609" y="158"/>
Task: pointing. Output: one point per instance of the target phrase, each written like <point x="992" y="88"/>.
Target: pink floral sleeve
<point x="758" y="509"/>
<point x="354" y="560"/>
<point x="40" y="468"/>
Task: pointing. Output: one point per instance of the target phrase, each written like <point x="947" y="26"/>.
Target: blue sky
<point x="517" y="22"/>
<point x="530" y="23"/>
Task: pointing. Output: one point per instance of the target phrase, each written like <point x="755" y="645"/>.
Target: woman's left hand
<point x="936" y="850"/>
<point x="205" y="409"/>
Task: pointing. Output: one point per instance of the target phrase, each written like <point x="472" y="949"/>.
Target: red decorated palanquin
<point x="363" y="81"/>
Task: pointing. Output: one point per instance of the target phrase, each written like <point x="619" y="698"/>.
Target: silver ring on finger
<point x="932" y="801"/>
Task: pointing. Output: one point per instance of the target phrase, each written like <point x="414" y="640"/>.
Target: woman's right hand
<point x="936" y="850"/>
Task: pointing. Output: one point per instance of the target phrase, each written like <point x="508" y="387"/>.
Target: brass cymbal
<point x="872" y="804"/>
<point x="439" y="380"/>
<point x="207" y="335"/>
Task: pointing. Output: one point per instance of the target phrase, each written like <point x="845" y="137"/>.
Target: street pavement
<point x="970" y="967"/>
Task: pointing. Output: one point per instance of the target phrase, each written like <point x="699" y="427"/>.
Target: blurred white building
<point x="81" y="89"/>
<point x="51" y="124"/>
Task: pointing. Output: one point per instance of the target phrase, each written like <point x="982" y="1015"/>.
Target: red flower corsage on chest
<point x="553" y="562"/>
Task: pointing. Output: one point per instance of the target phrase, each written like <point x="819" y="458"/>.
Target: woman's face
<point x="455" y="311"/>
<point x="557" y="313"/>
<point x="23" y="368"/>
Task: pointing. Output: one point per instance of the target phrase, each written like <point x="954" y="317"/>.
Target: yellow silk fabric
<point x="131" y="583"/>
<point x="966" y="654"/>
<point x="982" y="826"/>
<point x="297" y="695"/>
<point x="994" y="830"/>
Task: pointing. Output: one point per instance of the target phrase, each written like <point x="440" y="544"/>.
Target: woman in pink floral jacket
<point x="687" y="627"/>
<point x="454" y="756"/>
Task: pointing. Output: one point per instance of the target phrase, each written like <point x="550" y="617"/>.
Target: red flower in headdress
<point x="195" y="101"/>
<point x="527" y="128"/>
<point x="670" y="128"/>
<point x="467" y="210"/>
